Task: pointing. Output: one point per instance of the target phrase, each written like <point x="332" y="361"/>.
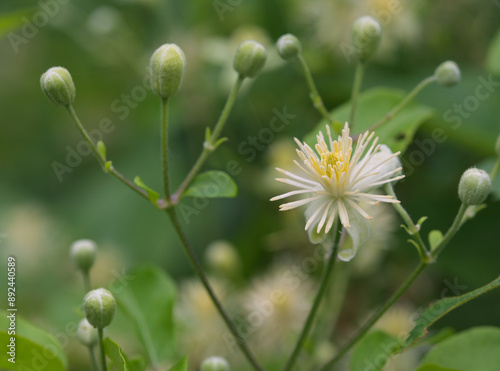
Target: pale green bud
<point x="83" y="253"/>
<point x="167" y="66"/>
<point x="86" y="334"/>
<point x="99" y="307"/>
<point x="474" y="186"/>
<point x="222" y="258"/>
<point x="448" y="73"/>
<point x="249" y="59"/>
<point x="366" y="35"/>
<point x="288" y="47"/>
<point x="215" y="364"/>
<point x="58" y="86"/>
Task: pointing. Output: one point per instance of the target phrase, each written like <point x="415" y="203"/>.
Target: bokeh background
<point x="106" y="46"/>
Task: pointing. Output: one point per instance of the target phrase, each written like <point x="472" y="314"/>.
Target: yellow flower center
<point x="335" y="163"/>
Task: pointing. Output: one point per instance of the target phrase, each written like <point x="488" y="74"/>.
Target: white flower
<point x="337" y="179"/>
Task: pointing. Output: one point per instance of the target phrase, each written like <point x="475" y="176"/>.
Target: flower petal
<point x="359" y="232"/>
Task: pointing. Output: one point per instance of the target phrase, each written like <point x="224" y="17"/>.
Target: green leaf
<point x="493" y="56"/>
<point x="435" y="237"/>
<point x="212" y="184"/>
<point x="34" y="346"/>
<point x="148" y="302"/>
<point x="373" y="105"/>
<point x="153" y="195"/>
<point x="373" y="351"/>
<point x="472" y="350"/>
<point x="439" y="309"/>
<point x="115" y="353"/>
<point x="101" y="148"/>
<point x="181" y="365"/>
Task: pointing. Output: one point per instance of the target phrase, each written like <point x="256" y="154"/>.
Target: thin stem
<point x="358" y="78"/>
<point x="317" y="300"/>
<point x="86" y="281"/>
<point x="211" y="143"/>
<point x="100" y="332"/>
<point x="404" y="102"/>
<point x="102" y="161"/>
<point x="379" y="313"/>
<point x="495" y="169"/>
<point x="193" y="260"/>
<point x="451" y="232"/>
<point x="93" y="359"/>
<point x="164" y="146"/>
<point x="314" y="94"/>
<point x="411" y="226"/>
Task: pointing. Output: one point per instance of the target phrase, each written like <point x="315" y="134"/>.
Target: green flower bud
<point x="86" y="334"/>
<point x="448" y="73"/>
<point x="99" y="307"/>
<point x="474" y="186"/>
<point x="249" y="59"/>
<point x="82" y="253"/>
<point x="222" y="258"/>
<point x="366" y="35"/>
<point x="167" y="66"/>
<point x="215" y="364"/>
<point x="288" y="47"/>
<point x="58" y="86"/>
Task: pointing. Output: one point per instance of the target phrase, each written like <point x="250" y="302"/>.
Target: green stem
<point x="363" y="330"/>
<point x="404" y="102"/>
<point x="495" y="169"/>
<point x="210" y="143"/>
<point x="86" y="281"/>
<point x="358" y="78"/>
<point x="411" y="226"/>
<point x="314" y="94"/>
<point x="164" y="146"/>
<point x="102" y="161"/>
<point x="193" y="260"/>
<point x="93" y="359"/>
<point x="451" y="232"/>
<point x="317" y="300"/>
<point x="100" y="332"/>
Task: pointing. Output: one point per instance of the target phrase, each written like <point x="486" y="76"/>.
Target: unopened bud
<point x="86" y="334"/>
<point x="474" y="186"/>
<point x="288" y="47"/>
<point x="448" y="73"/>
<point x="83" y="253"/>
<point x="249" y="59"/>
<point x="215" y="364"/>
<point x="366" y="35"/>
<point x="167" y="66"/>
<point x="99" y="307"/>
<point x="58" y="86"/>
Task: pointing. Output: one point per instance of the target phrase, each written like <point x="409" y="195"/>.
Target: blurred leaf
<point x="115" y="353"/>
<point x="440" y="308"/>
<point x="493" y="56"/>
<point x="181" y="365"/>
<point x="212" y="184"/>
<point x="373" y="105"/>
<point x="148" y="302"/>
<point x="152" y="194"/>
<point x="487" y="165"/>
<point x="435" y="237"/>
<point x="11" y="21"/>
<point x="373" y="351"/>
<point x="34" y="346"/>
<point x="137" y="364"/>
<point x="472" y="350"/>
<point x="435" y="368"/>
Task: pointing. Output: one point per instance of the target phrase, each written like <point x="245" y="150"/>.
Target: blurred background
<point x="106" y="46"/>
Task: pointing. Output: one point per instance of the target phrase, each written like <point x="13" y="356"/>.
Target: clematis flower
<point x="336" y="179"/>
